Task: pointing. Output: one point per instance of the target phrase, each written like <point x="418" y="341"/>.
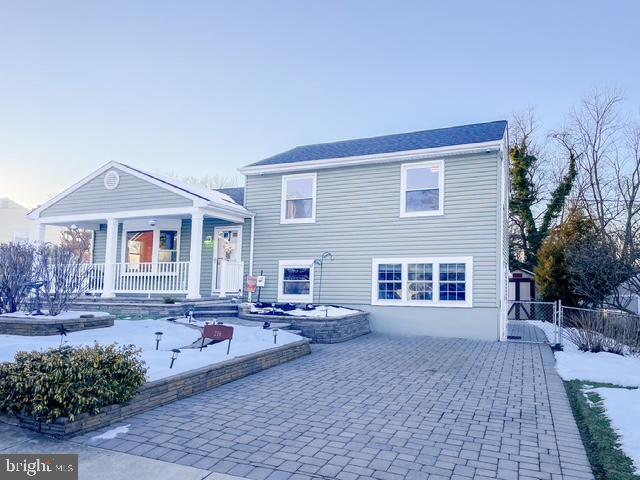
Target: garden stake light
<point x="158" y="338"/>
<point x="275" y="335"/>
<point x="174" y="355"/>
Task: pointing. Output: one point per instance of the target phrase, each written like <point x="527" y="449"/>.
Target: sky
<point x="196" y="88"/>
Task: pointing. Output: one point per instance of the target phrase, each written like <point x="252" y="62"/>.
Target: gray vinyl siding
<point x="132" y="193"/>
<point x="99" y="244"/>
<point x="358" y="218"/>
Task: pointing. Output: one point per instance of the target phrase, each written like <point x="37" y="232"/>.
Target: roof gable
<point x="425" y="139"/>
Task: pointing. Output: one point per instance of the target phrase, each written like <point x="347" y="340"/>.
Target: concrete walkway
<point x="388" y="408"/>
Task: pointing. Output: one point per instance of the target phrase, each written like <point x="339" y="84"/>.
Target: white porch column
<point x="110" y="258"/>
<point x="41" y="233"/>
<point x="195" y="256"/>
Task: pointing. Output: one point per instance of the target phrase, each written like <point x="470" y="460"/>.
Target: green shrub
<point x="68" y="381"/>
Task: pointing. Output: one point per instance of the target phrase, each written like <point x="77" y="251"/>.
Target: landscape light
<point x="275" y="335"/>
<point x="158" y="338"/>
<point x="174" y="355"/>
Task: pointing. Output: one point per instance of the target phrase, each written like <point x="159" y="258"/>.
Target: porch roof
<point x="196" y="199"/>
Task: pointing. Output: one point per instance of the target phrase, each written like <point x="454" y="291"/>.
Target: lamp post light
<point x="174" y="356"/>
<point x="275" y="335"/>
<point x="158" y="338"/>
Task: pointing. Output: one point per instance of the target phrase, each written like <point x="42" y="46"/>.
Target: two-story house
<point x="416" y="224"/>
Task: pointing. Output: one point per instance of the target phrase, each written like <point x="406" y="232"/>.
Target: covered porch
<point x="153" y="255"/>
<point x="186" y="243"/>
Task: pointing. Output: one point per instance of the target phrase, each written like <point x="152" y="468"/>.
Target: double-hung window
<point x="422" y="189"/>
<point x="295" y="281"/>
<point x="298" y="198"/>
<point x="437" y="281"/>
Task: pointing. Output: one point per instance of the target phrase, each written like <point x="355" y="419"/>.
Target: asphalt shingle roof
<point x="441" y="137"/>
<point x="236" y="193"/>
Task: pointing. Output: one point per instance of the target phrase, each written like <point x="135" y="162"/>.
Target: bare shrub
<point x="603" y="331"/>
<point x="16" y="274"/>
<point x="63" y="275"/>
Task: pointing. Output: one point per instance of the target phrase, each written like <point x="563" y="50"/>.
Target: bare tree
<point x="16" y="274"/>
<point x="212" y="182"/>
<point x="608" y="190"/>
<point x="78" y="241"/>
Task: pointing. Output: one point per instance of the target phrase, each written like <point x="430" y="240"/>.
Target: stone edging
<point x="320" y="329"/>
<point x="160" y="392"/>
<point x="34" y="326"/>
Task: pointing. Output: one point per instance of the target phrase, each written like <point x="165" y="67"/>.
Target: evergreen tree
<point x="528" y="229"/>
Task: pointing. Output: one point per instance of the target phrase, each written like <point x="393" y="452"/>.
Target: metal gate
<point x="534" y="322"/>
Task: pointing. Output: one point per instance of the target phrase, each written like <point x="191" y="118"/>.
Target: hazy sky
<point x="206" y="87"/>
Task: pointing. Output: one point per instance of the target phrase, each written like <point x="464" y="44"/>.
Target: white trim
<point x="436" y="262"/>
<point x="283" y="197"/>
<point x="296" y="264"/>
<point x="149" y="213"/>
<point x="216" y="239"/>
<point x="251" y="247"/>
<point x="195" y="256"/>
<point x="404" y="168"/>
<point x="198" y="200"/>
<point x="143" y="225"/>
<point x="469" y="148"/>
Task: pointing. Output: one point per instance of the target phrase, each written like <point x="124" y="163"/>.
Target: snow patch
<point x="622" y="407"/>
<point x="68" y="315"/>
<point x="313" y="311"/>
<point x="113" y="433"/>
<point x="141" y="333"/>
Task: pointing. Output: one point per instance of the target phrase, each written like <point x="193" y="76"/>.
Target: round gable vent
<point x="111" y="180"/>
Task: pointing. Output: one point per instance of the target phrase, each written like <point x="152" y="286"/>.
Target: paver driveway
<point x="377" y="407"/>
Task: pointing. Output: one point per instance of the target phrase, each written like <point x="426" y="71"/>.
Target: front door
<point x="222" y="237"/>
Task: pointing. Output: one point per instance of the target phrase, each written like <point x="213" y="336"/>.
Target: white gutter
<point x="470" y="148"/>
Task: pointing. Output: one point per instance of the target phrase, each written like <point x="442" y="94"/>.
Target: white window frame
<point x="283" y="198"/>
<point x="405" y="167"/>
<point x="282" y="264"/>
<point x="435" y="261"/>
<point x="143" y="225"/>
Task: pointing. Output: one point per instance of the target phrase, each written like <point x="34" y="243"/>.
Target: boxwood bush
<point x="68" y="381"/>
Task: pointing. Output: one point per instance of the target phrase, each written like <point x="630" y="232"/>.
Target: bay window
<point x="436" y="281"/>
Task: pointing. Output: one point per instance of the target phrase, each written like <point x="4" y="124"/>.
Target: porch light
<point x="275" y="335"/>
<point x="158" y="338"/>
<point x="152" y="222"/>
<point x="174" y="356"/>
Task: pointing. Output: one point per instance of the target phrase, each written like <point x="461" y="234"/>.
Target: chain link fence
<point x="527" y="321"/>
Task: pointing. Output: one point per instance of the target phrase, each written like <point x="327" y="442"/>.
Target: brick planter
<point x="34" y="326"/>
<point x="320" y="329"/>
<point x="167" y="390"/>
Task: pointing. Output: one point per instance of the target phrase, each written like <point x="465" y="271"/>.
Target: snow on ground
<point x="320" y="311"/>
<point x="602" y="367"/>
<point x="142" y="334"/>
<point x="622" y="405"/>
<point x="623" y="409"/>
<point x="68" y="315"/>
<point x="113" y="433"/>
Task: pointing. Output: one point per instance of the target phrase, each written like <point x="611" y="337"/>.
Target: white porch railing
<point x="152" y="277"/>
<point x="94" y="277"/>
<point x="231" y="276"/>
<point x="158" y="277"/>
